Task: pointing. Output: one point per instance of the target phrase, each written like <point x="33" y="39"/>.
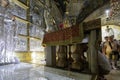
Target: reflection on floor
<point x="25" y="71"/>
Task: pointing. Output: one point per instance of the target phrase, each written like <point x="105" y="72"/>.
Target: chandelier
<point x="66" y="20"/>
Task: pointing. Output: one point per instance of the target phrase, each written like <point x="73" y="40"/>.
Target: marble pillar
<point x="70" y="59"/>
<point x="92" y="52"/>
<point x="76" y="64"/>
<point x="62" y="56"/>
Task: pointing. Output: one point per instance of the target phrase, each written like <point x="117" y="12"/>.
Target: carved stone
<point x="76" y="64"/>
<point x="70" y="60"/>
<point x="62" y="56"/>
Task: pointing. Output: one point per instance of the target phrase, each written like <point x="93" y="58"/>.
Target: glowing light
<point x="107" y="13"/>
<point x="33" y="55"/>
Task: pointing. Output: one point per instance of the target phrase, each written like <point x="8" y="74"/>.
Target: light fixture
<point x="107" y="13"/>
<point x="66" y="20"/>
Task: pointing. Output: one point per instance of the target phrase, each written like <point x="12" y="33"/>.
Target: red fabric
<point x="61" y="26"/>
<point x="62" y="35"/>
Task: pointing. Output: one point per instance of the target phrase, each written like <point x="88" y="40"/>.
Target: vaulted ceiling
<point x="89" y="7"/>
<point x="80" y="9"/>
<point x="86" y="7"/>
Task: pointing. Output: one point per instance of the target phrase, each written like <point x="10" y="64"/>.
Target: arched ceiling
<point x="82" y="10"/>
<point x="86" y="7"/>
<point x="90" y="7"/>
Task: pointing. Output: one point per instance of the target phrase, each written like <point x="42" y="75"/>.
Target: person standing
<point x="110" y="48"/>
<point x="103" y="45"/>
<point x="113" y="56"/>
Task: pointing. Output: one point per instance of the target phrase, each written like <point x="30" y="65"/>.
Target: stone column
<point x="62" y="56"/>
<point x="70" y="60"/>
<point x="76" y="64"/>
<point x="92" y="52"/>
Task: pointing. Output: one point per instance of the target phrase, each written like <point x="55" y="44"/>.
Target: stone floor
<point x="25" y="71"/>
<point x="114" y="75"/>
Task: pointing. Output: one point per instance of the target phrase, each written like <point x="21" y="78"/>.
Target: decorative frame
<point x="22" y="28"/>
<point x="21" y="44"/>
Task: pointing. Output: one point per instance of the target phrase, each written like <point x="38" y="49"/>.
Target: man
<point x="104" y="45"/>
<point x="110" y="48"/>
<point x="114" y="51"/>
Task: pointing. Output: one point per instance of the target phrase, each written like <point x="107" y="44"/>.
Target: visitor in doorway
<point x="103" y="44"/>
<point x="115" y="48"/>
<point x="110" y="48"/>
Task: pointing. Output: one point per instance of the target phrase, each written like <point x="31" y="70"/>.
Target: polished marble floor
<point x="26" y="71"/>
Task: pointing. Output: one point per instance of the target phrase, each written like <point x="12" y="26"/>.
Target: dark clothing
<point x="103" y="64"/>
<point x="115" y="54"/>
